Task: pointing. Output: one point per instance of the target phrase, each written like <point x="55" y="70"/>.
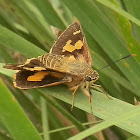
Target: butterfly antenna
<point x="118" y="60"/>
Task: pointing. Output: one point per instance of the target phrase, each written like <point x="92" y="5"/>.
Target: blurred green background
<point x="112" y="31"/>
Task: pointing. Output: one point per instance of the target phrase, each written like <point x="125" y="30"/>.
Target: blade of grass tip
<point x="44" y="118"/>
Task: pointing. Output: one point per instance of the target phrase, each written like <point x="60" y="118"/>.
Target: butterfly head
<point x="92" y="77"/>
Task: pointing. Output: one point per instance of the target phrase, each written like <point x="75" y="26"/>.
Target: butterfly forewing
<point x="72" y="43"/>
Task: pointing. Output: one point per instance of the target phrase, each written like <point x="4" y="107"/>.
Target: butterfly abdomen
<point x="52" y="61"/>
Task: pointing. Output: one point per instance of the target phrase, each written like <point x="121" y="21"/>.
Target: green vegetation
<point x="112" y="31"/>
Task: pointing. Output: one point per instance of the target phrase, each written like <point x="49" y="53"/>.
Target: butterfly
<point x="68" y="62"/>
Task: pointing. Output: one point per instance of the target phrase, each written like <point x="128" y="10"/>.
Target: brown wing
<point x="31" y="64"/>
<point x="26" y="79"/>
<point x="72" y="43"/>
<point x="33" y="74"/>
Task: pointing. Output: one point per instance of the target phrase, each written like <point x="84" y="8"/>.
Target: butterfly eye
<point x="87" y="78"/>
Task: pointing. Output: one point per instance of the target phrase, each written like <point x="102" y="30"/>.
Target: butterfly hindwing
<point x="72" y="43"/>
<point x="30" y="64"/>
<point x="25" y="79"/>
<point x="33" y="74"/>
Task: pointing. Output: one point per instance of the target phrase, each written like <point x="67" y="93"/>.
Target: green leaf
<point x="102" y="107"/>
<point x="17" y="43"/>
<point x="135" y="112"/>
<point x="126" y="28"/>
<point x="44" y="118"/>
<point x="120" y="11"/>
<point x="29" y="20"/>
<point x="14" y="118"/>
<point x="49" y="13"/>
<point x="133" y="41"/>
<point x="134" y="138"/>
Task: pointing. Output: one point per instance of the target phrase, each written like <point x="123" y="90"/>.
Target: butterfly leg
<point x="73" y="94"/>
<point x="94" y="85"/>
<point x="87" y="91"/>
<point x="89" y="94"/>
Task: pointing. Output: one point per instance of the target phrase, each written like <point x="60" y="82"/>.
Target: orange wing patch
<point x="70" y="48"/>
<point x="78" y="45"/>
<point x="37" y="76"/>
<point x="77" y="32"/>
